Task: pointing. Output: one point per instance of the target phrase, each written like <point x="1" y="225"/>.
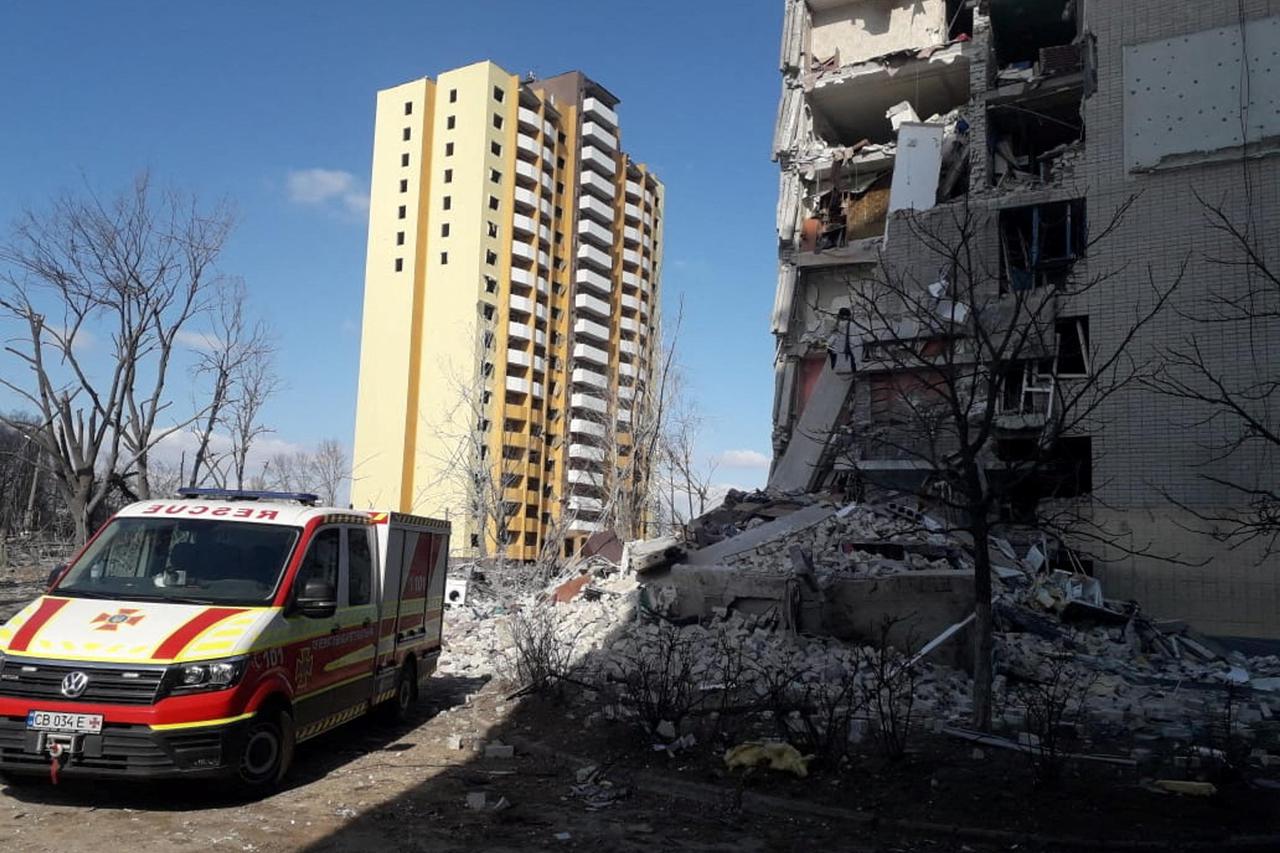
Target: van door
<point x="333" y="664"/>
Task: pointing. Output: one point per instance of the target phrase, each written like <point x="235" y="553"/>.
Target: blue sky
<point x="230" y="98"/>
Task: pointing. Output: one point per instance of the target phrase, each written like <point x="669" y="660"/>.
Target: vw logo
<point x="74" y="683"/>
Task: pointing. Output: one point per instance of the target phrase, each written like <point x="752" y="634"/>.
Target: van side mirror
<point x="318" y="599"/>
<point x="55" y="574"/>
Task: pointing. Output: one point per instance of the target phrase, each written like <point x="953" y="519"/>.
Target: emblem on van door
<point x="74" y="683"/>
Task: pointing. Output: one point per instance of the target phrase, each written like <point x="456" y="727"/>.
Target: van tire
<point x="398" y="708"/>
<point x="267" y="751"/>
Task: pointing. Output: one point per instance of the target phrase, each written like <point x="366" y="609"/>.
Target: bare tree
<point x="959" y="377"/>
<point x="322" y="472"/>
<point x="100" y="291"/>
<point x="1240" y="409"/>
<point x="234" y="359"/>
<point x="329" y="470"/>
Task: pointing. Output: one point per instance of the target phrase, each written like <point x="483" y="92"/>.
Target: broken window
<point x="1025" y="34"/>
<point x="1026" y="388"/>
<point x="1036" y="139"/>
<point x="1039" y="244"/>
<point x="1036" y="473"/>
<point x="1073" y="346"/>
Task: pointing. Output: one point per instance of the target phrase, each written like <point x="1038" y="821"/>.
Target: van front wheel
<point x="267" y="750"/>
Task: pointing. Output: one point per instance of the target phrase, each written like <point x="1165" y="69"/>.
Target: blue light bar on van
<point x="247" y="495"/>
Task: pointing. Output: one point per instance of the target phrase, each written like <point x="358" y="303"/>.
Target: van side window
<point x="359" y="567"/>
<point x="322" y="559"/>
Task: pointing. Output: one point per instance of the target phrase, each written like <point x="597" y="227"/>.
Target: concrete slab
<point x="800" y="466"/>
<point x="756" y="536"/>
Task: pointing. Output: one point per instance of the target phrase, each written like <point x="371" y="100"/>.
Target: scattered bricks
<point x="584" y="774"/>
<point x="476" y="801"/>
<point x="666" y="730"/>
<point x="454" y="742"/>
<point x="977" y="754"/>
<point x="499" y="750"/>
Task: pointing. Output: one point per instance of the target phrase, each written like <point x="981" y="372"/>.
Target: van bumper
<point x="128" y="751"/>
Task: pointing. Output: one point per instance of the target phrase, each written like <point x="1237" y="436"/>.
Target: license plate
<point x="59" y="721"/>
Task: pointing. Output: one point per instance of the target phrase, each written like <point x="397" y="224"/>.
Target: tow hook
<point x="60" y="749"/>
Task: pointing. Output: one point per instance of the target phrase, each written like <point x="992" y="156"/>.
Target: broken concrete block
<point x="666" y="730"/>
<point x="454" y="742"/>
<point x="584" y="774"/>
<point x="499" y="750"/>
<point x="476" y="800"/>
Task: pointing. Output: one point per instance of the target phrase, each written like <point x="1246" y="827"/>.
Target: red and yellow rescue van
<point x="207" y="635"/>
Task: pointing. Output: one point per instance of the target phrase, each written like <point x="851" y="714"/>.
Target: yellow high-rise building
<point x="510" y="312"/>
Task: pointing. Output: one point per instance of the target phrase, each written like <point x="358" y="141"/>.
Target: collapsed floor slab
<point x="913" y="606"/>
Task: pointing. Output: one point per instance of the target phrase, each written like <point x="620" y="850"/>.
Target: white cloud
<point x="199" y="341"/>
<point x="743" y="459"/>
<point x="322" y="187"/>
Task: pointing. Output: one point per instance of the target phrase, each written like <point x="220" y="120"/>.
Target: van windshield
<point x="196" y="561"/>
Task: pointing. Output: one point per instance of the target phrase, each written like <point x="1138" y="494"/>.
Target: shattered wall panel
<point x="788" y="205"/>
<point x="789" y="130"/>
<point x="783" y="298"/>
<point x="917" y="167"/>
<point x="795" y="27"/>
<point x="1185" y="101"/>
<point x="856" y="32"/>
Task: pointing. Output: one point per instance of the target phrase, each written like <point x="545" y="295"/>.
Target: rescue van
<point x="209" y="634"/>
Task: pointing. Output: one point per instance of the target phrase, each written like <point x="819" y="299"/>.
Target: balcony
<point x="586" y="352"/>
<point x="522" y="253"/>
<point x="544" y="204"/>
<point x="518" y="358"/>
<point x="544" y="233"/>
<point x="528" y="119"/>
<point x="517" y="385"/>
<point x="598" y="135"/>
<point x="582" y="426"/>
<point x="626" y="392"/>
<point x="629" y="324"/>
<point x="595" y="234"/>
<point x="601" y="188"/>
<point x="631" y="257"/>
<point x="521" y="278"/>
<point x="588" y="329"/>
<point x="596" y="258"/>
<point x="594" y="281"/>
<point x="586" y="451"/>
<point x="628" y="349"/>
<point x="634" y="190"/>
<point x="526" y="146"/>
<point x="634" y="215"/>
<point x="599" y="161"/>
<point x="630" y="280"/>
<point x="585" y="303"/>
<point x="548" y="129"/>
<point x="525" y="199"/>
<point x="588" y="403"/>
<point x="543" y="287"/>
<point x="631" y="234"/>
<point x="630" y="303"/>
<point x="627" y="370"/>
<point x="589" y="378"/>
<point x="537" y="390"/>
<point x="547" y="183"/>
<point x="523" y="225"/>
<point x="521" y="304"/>
<point x="582" y="503"/>
<point x="596" y="109"/>
<point x="590" y="479"/>
<point x="624" y="416"/>
<point x="526" y="173"/>
<point x="596" y="209"/>
<point x="519" y="331"/>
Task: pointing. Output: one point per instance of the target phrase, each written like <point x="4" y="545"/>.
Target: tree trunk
<point x="983" y="641"/>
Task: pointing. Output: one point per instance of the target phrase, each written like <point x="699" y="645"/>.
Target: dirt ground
<point x="363" y="788"/>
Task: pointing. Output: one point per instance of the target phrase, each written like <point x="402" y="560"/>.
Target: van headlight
<point x="206" y="675"/>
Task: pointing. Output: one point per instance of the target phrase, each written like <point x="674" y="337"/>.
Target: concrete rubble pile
<point x="1160" y="684"/>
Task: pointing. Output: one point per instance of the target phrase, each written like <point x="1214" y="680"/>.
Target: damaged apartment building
<point x="1043" y="117"/>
